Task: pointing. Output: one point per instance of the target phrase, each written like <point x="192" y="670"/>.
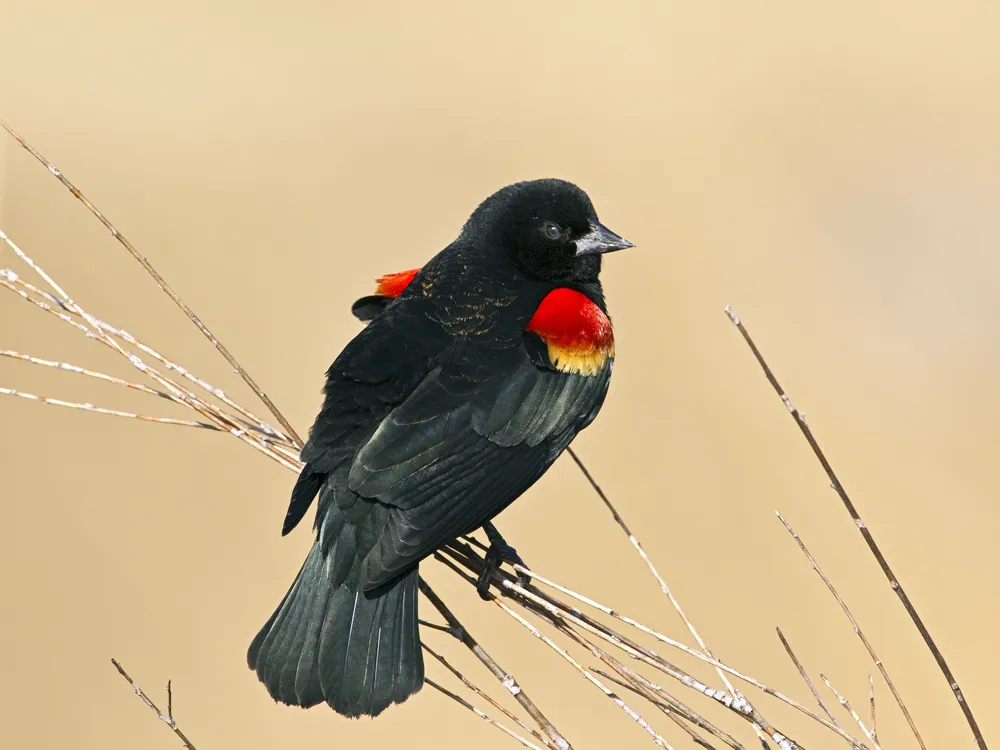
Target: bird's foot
<point x="498" y="553"/>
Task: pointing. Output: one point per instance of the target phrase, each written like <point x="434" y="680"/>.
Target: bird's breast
<point x="576" y="331"/>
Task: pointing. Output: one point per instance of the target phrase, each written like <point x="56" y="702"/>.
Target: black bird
<point x="474" y="374"/>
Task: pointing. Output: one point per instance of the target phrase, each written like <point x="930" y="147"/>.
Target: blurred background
<point x="829" y="169"/>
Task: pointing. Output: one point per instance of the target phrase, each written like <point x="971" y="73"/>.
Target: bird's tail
<point x="358" y="651"/>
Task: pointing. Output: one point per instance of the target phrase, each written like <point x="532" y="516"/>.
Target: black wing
<point x="455" y="453"/>
<point x="374" y="373"/>
<point x="368" y="308"/>
<point x="425" y="435"/>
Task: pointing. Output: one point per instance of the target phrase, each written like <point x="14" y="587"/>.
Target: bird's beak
<point x="600" y="240"/>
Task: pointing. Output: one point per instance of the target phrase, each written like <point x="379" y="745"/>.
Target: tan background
<point x="830" y="169"/>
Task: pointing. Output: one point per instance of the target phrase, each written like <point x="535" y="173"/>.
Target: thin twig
<point x="481" y="714"/>
<point x="435" y="626"/>
<point x="659" y="579"/>
<point x="212" y="413"/>
<point x="12" y="281"/>
<point x="657" y="739"/>
<point x="740" y="705"/>
<point x="166" y="718"/>
<point x="854" y="714"/>
<point x="482" y="694"/>
<point x="563" y="627"/>
<point x="677" y="717"/>
<point x="459" y="631"/>
<point x="805" y="676"/>
<point x="656" y="694"/>
<point x="894" y="583"/>
<point x="575" y="664"/>
<point x="465" y="556"/>
<point x="857" y="628"/>
<point x="60" y="309"/>
<point x="871" y="697"/>
<point x="99" y="410"/>
<point x="67" y="367"/>
<point x="68" y="312"/>
<point x="669" y="710"/>
<point x="289" y="430"/>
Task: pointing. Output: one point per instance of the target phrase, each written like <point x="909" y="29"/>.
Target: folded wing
<point x="454" y="454"/>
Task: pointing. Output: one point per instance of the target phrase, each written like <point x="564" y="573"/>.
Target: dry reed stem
<point x="587" y="600"/>
<point x="601" y="654"/>
<point x="871" y="697"/>
<point x="835" y="483"/>
<point x="53" y="305"/>
<point x="857" y="628"/>
<point x="805" y="677"/>
<point x="649" y="563"/>
<point x="674" y="715"/>
<point x="677" y="717"/>
<point x="214" y="414"/>
<point x="99" y="410"/>
<point x="783" y="742"/>
<point x="465" y="556"/>
<point x="289" y="430"/>
<point x="740" y="705"/>
<point x="482" y="714"/>
<point x="671" y="705"/>
<point x="854" y="714"/>
<point x="31" y="293"/>
<point x="667" y="708"/>
<point x="585" y="673"/>
<point x="569" y="614"/>
<point x="458" y="630"/>
<point x="168" y="717"/>
<point x="482" y="694"/>
<point x="67" y="367"/>
<point x="472" y="564"/>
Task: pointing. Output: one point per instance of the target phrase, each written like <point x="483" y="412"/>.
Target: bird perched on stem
<point x="476" y="371"/>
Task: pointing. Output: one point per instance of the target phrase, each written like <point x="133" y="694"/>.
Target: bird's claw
<point x="499" y="552"/>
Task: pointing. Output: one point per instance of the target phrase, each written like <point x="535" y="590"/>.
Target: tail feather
<point x="276" y="652"/>
<point x="359" y="651"/>
<point x="306" y="685"/>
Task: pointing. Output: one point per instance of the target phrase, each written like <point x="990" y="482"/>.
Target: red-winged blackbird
<point x="474" y="374"/>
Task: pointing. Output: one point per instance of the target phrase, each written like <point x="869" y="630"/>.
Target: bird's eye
<point x="552" y="230"/>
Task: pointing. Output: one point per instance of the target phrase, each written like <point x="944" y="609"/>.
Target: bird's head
<point x="548" y="228"/>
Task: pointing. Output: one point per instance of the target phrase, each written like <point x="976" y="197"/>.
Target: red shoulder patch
<point x="578" y="333"/>
<point x="393" y="284"/>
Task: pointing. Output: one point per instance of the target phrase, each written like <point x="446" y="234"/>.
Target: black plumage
<point x="437" y="415"/>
